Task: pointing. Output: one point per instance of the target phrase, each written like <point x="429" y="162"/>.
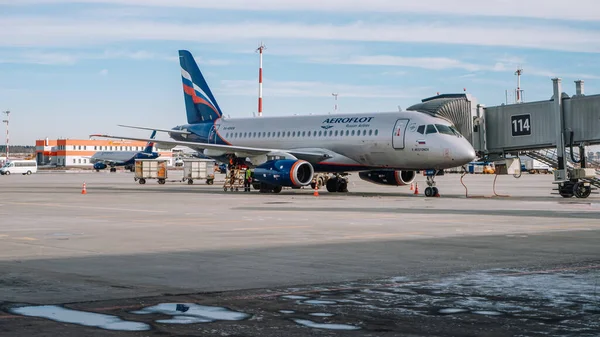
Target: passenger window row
<point x="296" y="134"/>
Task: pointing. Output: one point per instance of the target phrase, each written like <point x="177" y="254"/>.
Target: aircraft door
<point x="399" y="133"/>
<point x="212" y="135"/>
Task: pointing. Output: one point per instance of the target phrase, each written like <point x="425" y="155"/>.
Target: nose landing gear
<point x="431" y="190"/>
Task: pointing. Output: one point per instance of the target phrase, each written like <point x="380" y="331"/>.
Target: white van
<point x="24" y="167"/>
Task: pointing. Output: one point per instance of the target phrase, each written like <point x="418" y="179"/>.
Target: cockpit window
<point x="445" y="129"/>
<point x="421" y="129"/>
<point x="431" y="129"/>
<point x="455" y="131"/>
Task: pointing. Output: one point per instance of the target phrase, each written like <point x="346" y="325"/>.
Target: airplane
<point x="103" y="159"/>
<point x="384" y="148"/>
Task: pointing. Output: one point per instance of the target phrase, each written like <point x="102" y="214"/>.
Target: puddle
<point x="319" y="302"/>
<point x="327" y="326"/>
<point x="84" y="318"/>
<point x="487" y="313"/>
<point x="287" y="311"/>
<point x="295" y="297"/>
<point x="320" y="314"/>
<point x="452" y="311"/>
<point x="190" y="313"/>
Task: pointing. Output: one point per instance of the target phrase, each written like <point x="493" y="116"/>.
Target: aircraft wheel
<point x="190" y="181"/>
<point x="161" y="181"/>
<point x="112" y="169"/>
<point x="343" y="186"/>
<point x="429" y="192"/>
<point x="142" y="181"/>
<point x="277" y="189"/>
<point x="566" y="190"/>
<point x="332" y="185"/>
<point x="581" y="191"/>
<point x="436" y="192"/>
<point x="313" y="185"/>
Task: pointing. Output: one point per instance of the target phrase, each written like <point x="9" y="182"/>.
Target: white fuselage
<point x="389" y="140"/>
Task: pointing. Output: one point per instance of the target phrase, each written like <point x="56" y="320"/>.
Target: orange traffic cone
<point x="412" y="187"/>
<point x="316" y="194"/>
<point x="83" y="191"/>
<point x="416" y="188"/>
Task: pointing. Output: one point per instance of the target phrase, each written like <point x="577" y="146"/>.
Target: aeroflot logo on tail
<point x="348" y="120"/>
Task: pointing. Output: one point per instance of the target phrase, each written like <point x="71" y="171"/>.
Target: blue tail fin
<point x="150" y="145"/>
<point x="200" y="104"/>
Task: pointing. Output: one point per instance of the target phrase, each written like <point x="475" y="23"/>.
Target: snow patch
<point x="190" y="313"/>
<point x="328" y="326"/>
<point x="60" y="314"/>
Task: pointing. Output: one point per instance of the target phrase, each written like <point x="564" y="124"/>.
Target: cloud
<point x="444" y="63"/>
<point x="433" y="63"/>
<point x="103" y="72"/>
<point x="35" y="31"/>
<point x="20" y="56"/>
<point x="318" y="89"/>
<point x="580" y="10"/>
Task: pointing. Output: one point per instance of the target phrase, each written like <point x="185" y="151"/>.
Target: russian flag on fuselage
<point x="200" y="104"/>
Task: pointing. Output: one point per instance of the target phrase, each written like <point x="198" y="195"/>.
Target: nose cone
<point x="464" y="153"/>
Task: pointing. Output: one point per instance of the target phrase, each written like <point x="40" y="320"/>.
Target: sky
<point x="73" y="68"/>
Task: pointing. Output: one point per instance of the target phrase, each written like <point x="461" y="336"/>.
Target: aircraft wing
<point x="240" y="151"/>
<point x="155" y="129"/>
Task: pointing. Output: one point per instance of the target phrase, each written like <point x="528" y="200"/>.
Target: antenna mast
<point x="260" y="51"/>
<point x="519" y="90"/>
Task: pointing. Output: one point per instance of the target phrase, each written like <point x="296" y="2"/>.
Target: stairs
<point x="549" y="157"/>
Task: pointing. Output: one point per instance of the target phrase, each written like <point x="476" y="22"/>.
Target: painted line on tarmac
<point x="267" y="228"/>
<point x="25" y="238"/>
<point x="88" y="207"/>
<point x="382" y="235"/>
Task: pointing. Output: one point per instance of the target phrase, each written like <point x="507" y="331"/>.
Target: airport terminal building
<point x="77" y="152"/>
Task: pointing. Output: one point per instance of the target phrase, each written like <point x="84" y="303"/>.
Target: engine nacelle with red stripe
<point x="388" y="177"/>
<point x="285" y="172"/>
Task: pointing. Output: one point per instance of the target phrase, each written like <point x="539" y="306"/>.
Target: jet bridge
<point x="506" y="131"/>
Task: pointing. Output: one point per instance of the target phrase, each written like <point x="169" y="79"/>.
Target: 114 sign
<point x="521" y="125"/>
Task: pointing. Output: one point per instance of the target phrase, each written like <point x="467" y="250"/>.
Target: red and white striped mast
<point x="260" y="51"/>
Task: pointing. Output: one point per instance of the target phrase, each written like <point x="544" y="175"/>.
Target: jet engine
<point x="388" y="177"/>
<point x="99" y="166"/>
<point x="285" y="172"/>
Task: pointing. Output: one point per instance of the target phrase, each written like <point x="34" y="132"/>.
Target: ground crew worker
<point x="247" y="180"/>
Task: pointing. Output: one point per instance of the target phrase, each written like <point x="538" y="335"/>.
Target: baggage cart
<point x="197" y="169"/>
<point x="150" y="169"/>
<point x="234" y="179"/>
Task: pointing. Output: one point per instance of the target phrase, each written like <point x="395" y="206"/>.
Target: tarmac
<point x="179" y="259"/>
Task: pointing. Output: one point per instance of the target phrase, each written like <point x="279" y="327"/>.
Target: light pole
<point x="335" y="107"/>
<point x="7" y="112"/>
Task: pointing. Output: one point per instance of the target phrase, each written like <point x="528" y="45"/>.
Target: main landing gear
<point x="266" y="188"/>
<point x="431" y="190"/>
<point x="337" y="184"/>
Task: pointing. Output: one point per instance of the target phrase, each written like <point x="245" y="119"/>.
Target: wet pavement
<point x="175" y="259"/>
<point x="561" y="301"/>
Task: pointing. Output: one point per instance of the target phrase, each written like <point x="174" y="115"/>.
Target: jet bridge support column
<point x="560" y="175"/>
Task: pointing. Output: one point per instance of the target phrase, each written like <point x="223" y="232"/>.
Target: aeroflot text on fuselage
<point x="348" y="120"/>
